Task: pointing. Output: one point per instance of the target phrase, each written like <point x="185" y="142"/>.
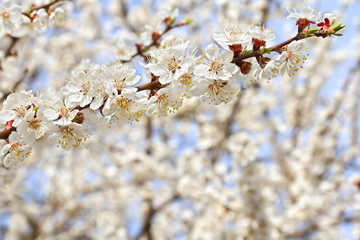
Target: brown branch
<point x="149" y="133"/>
<point x="149" y="86"/>
<point x="146" y="228"/>
<point x="265" y="12"/>
<point x="124" y="15"/>
<point x="11" y="46"/>
<point x="4" y="134"/>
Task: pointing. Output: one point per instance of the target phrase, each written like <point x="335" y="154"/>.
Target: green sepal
<point x="246" y="52"/>
<point x="312" y="31"/>
<point x="265" y="50"/>
<point x="189" y="21"/>
<point x="31" y="10"/>
<point x="172" y="21"/>
<point x="77" y="118"/>
<point x="338" y="27"/>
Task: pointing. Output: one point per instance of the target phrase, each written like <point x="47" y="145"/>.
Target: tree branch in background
<point x="146" y="227"/>
<point x="313" y="227"/>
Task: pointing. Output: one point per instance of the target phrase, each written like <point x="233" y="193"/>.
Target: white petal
<point x="221" y="39"/>
<point x="143" y="94"/>
<point x="17" y="121"/>
<point x="6" y="115"/>
<point x="6" y="149"/>
<point x="97" y="102"/>
<point x="200" y="70"/>
<point x="85" y="100"/>
<point x="132" y="80"/>
<point x="151" y="109"/>
<point x="8" y="160"/>
<point x="51" y="114"/>
<point x="29" y="138"/>
<point x="231" y="68"/>
<point x="90" y="117"/>
<point x="227" y="55"/>
<point x="283" y="69"/>
<point x="165" y="78"/>
<point x="75" y="98"/>
<point x="63" y="122"/>
<point x="212" y="51"/>
<point x="14" y="137"/>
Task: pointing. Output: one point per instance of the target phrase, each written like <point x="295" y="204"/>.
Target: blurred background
<point x="280" y="162"/>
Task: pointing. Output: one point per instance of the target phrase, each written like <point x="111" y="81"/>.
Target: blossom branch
<point x="156" y="84"/>
<point x="112" y="90"/>
<point x="45" y="7"/>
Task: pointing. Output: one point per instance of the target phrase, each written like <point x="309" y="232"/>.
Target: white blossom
<point x="40" y="21"/>
<point x="15" y="150"/>
<point x="232" y="35"/>
<point x="292" y="59"/>
<point x="304" y="12"/>
<point x="16" y="106"/>
<point x="259" y="32"/>
<point x="10" y="17"/>
<point x="81" y="89"/>
<point x="216" y="91"/>
<point x="218" y="65"/>
<point x="59" y="111"/>
<point x="185" y="84"/>
<point x="34" y="126"/>
<point x="163" y="102"/>
<point x="171" y="62"/>
<point x="57" y="17"/>
<point x="68" y="136"/>
<point x="119" y="103"/>
<point x="124" y="51"/>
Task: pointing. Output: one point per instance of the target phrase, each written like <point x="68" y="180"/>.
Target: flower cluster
<point x="15" y="21"/>
<point x="108" y="93"/>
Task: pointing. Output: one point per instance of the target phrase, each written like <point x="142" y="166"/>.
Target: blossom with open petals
<point x="218" y="65"/>
<point x="15" y="150"/>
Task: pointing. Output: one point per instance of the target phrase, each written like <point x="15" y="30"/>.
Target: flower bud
<point x="79" y="118"/>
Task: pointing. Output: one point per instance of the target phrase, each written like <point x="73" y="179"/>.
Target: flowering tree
<point x="135" y="134"/>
